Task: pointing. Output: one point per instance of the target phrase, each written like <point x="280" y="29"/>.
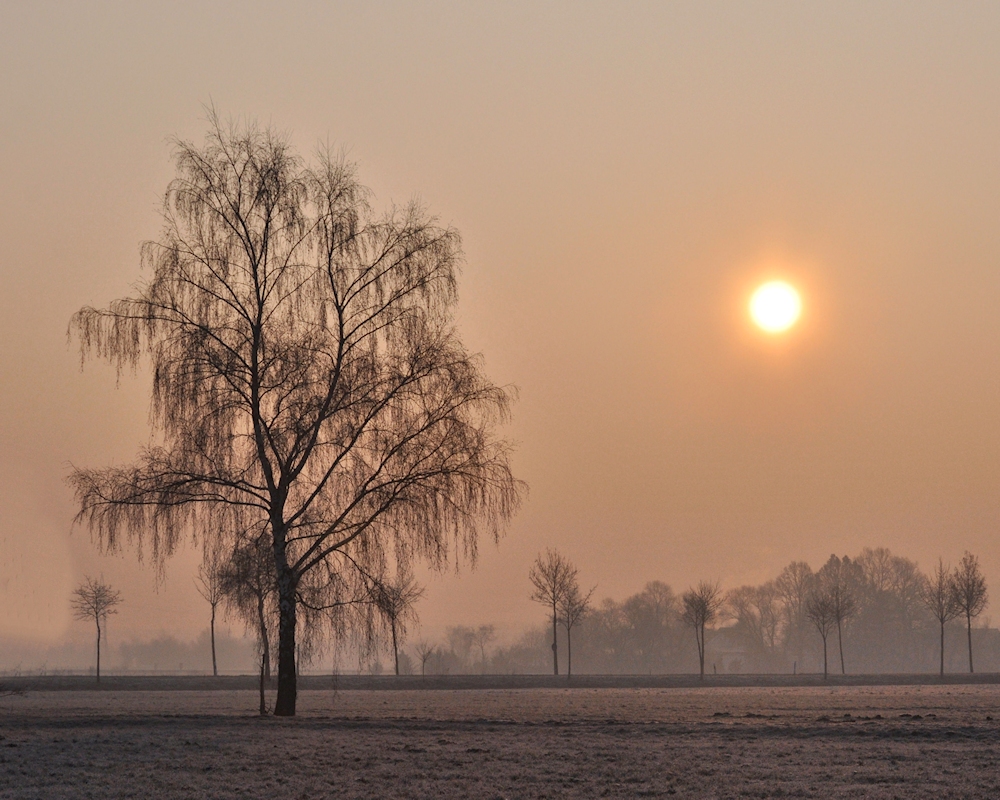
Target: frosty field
<point x="933" y="741"/>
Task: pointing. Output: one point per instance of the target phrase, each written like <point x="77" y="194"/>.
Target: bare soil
<point x="909" y="741"/>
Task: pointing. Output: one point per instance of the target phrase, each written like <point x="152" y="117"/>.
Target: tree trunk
<point x="968" y="620"/>
<point x="824" y="659"/>
<point x="263" y="699"/>
<point x="284" y="704"/>
<point x="699" y="635"/>
<point x="99" y="651"/>
<point x="265" y="642"/>
<point x="555" y="647"/>
<point x="840" y="644"/>
<point x="395" y="647"/>
<point x="942" y="648"/>
<point x="215" y="666"/>
<point x="569" y="654"/>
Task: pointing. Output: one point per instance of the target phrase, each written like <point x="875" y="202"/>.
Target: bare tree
<point x="573" y="607"/>
<point x="396" y="601"/>
<point x="307" y="379"/>
<point x="969" y="593"/>
<point x="820" y="612"/>
<point x="793" y="586"/>
<point x="249" y="590"/>
<point x="701" y="607"/>
<point x="425" y="652"/>
<point x="939" y="597"/>
<point x="835" y="578"/>
<point x="209" y="583"/>
<point x="844" y="607"/>
<point x="484" y="636"/>
<point x="552" y="576"/>
<point x="757" y="612"/>
<point x="96" y="600"/>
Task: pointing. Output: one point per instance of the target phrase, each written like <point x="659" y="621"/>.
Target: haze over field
<point x="623" y="178"/>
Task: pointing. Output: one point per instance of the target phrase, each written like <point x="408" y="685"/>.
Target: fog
<point x="622" y="177"/>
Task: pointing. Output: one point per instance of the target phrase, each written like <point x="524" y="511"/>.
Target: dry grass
<point x="878" y="742"/>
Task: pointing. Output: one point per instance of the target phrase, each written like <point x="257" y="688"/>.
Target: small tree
<point x="793" y="586"/>
<point x="938" y="595"/>
<point x="95" y="599"/>
<point x="701" y="608"/>
<point x="209" y="585"/>
<point x="552" y="576"/>
<point x="573" y="608"/>
<point x="969" y="593"/>
<point x="820" y="612"/>
<point x="425" y="652"/>
<point x="484" y="636"/>
<point x="396" y="601"/>
<point x="844" y="606"/>
<point x="249" y="590"/>
<point x="837" y="579"/>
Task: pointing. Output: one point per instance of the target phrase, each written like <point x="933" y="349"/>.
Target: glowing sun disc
<point x="775" y="306"/>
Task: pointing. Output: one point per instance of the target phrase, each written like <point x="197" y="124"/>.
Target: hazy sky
<point x="623" y="175"/>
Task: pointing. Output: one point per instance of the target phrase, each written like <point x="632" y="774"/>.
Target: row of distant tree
<point x="873" y="613"/>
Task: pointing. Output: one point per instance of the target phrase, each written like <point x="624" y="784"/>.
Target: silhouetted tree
<point x="836" y="578"/>
<point x="250" y="592"/>
<point x="461" y="640"/>
<point x="701" y="607"/>
<point x="96" y="600"/>
<point x="396" y="600"/>
<point x="573" y="607"/>
<point x="793" y="585"/>
<point x="552" y="576"/>
<point x="757" y="611"/>
<point x="483" y="637"/>
<point x="208" y="582"/>
<point x="969" y="593"/>
<point x="939" y="597"/>
<point x="425" y="652"/>
<point x="307" y="378"/>
<point x="820" y="612"/>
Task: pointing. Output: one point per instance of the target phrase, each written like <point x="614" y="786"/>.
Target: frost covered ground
<point x="854" y="741"/>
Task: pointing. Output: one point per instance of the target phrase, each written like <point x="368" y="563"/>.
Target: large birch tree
<point x="308" y="381"/>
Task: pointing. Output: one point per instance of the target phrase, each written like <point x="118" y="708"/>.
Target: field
<point x="878" y="741"/>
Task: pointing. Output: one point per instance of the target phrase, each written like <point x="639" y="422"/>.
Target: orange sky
<point x="623" y="175"/>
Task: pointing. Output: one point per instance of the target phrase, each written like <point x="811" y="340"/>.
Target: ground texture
<point x="833" y="742"/>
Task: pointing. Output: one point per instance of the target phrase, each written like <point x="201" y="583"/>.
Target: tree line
<point x="874" y="613"/>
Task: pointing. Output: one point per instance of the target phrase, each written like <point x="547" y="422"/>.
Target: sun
<point x="775" y="306"/>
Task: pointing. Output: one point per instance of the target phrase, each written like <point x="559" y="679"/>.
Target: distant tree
<point x="96" y="600"/>
<point x="308" y="377"/>
<point x="939" y="598"/>
<point x="483" y="637"/>
<point x="836" y="577"/>
<point x="396" y="600"/>
<point x="573" y="607"/>
<point x="209" y="583"/>
<point x="757" y="611"/>
<point x="641" y="633"/>
<point x="969" y="593"/>
<point x="250" y="592"/>
<point x="425" y="652"/>
<point x="793" y="585"/>
<point x="461" y="639"/>
<point x="552" y="576"/>
<point x="820" y="612"/>
<point x="701" y="607"/>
